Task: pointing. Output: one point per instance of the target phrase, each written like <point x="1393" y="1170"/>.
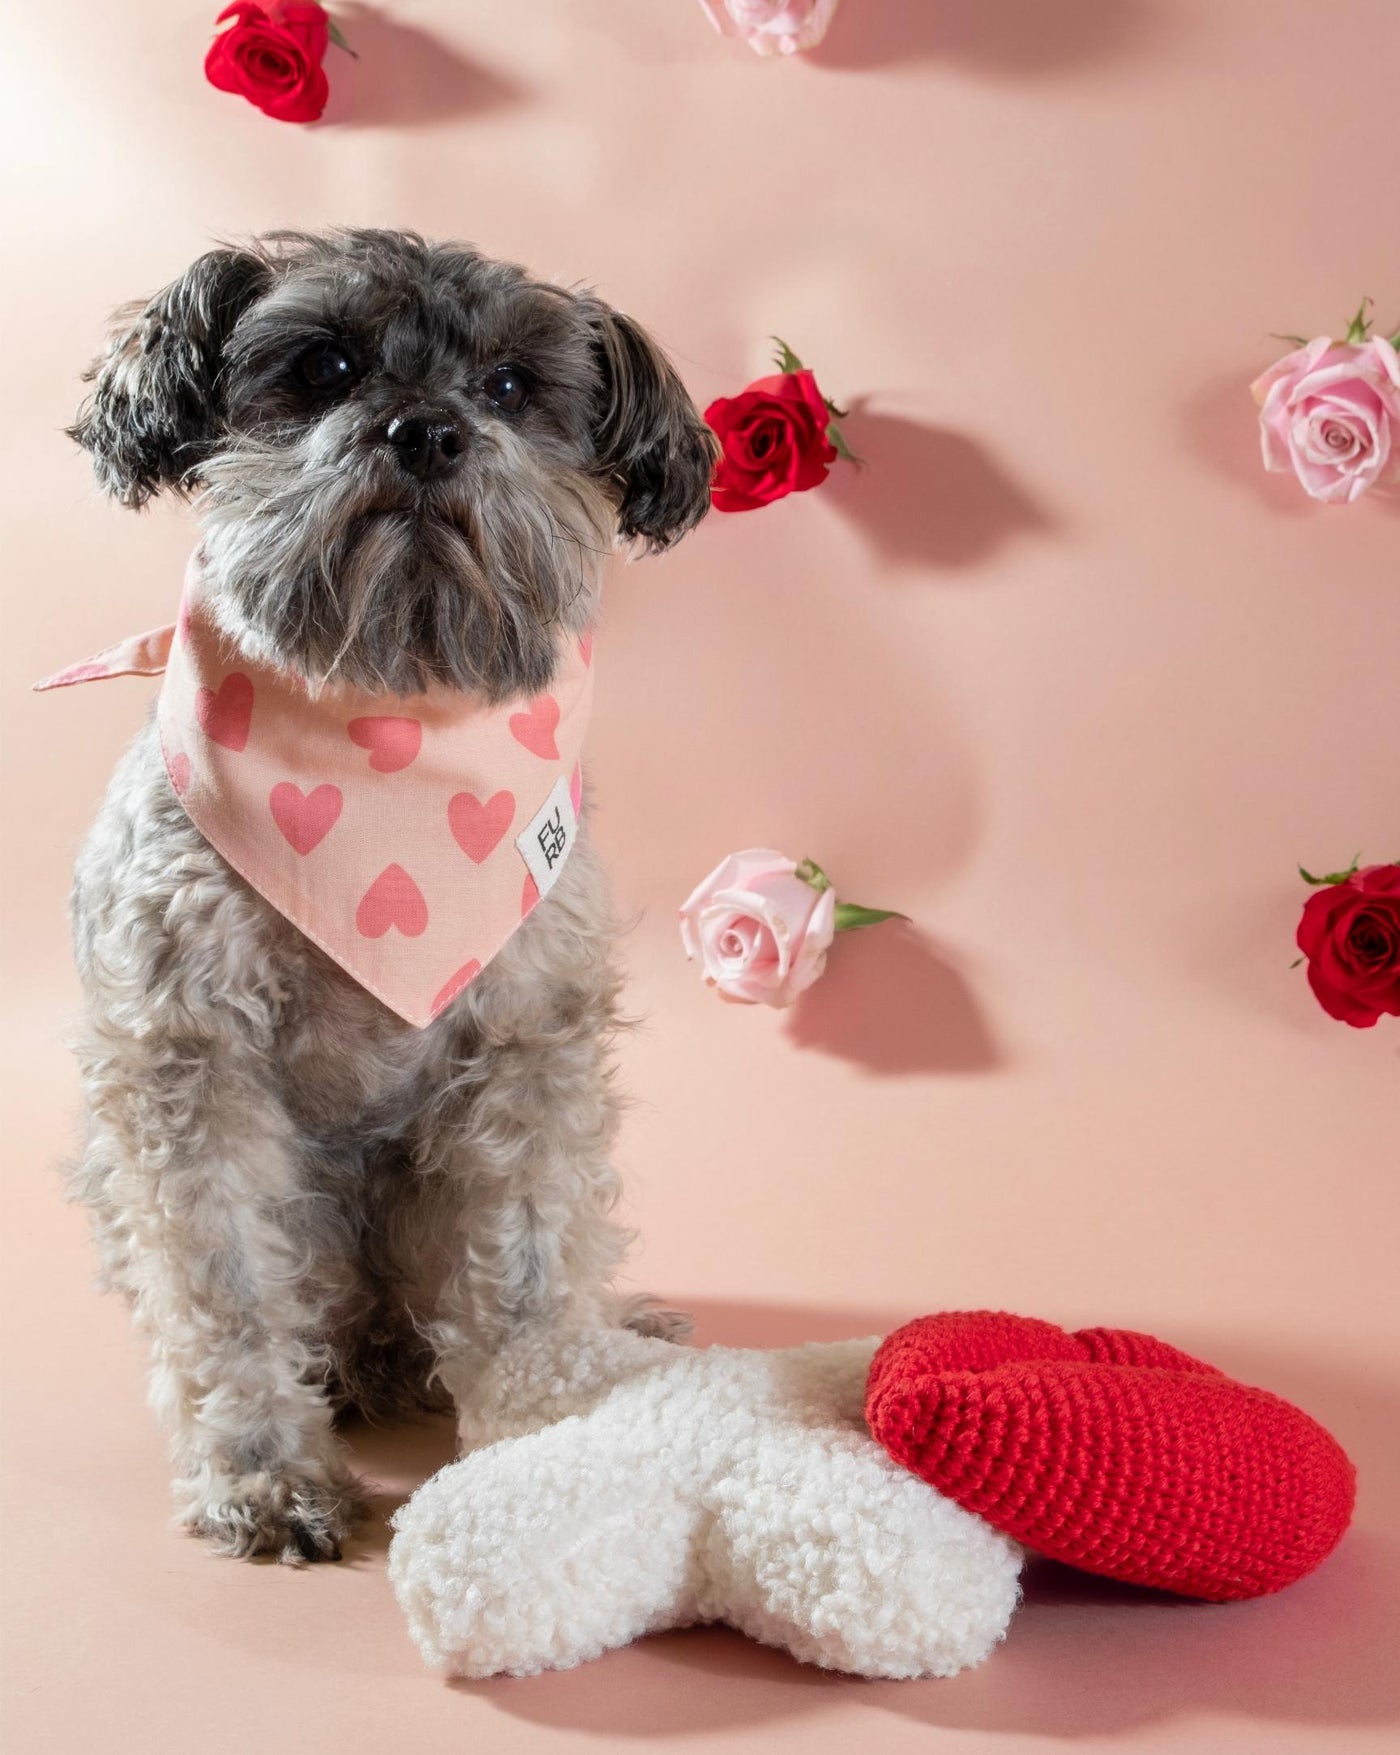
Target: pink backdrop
<point x="1061" y="674"/>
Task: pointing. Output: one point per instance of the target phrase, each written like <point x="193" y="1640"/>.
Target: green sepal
<point x="1394" y="340"/>
<point x="811" y="873"/>
<point x="787" y="362"/>
<point x="1293" y="340"/>
<point x="337" y="36"/>
<point x="1360" y="326"/>
<point x="837" y="438"/>
<point x="786" y="359"/>
<point x="1332" y="877"/>
<point x="1294" y="964"/>
<point x="850" y="916"/>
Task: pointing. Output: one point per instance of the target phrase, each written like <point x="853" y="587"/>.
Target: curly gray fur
<point x="320" y="551"/>
<point x="308" y="1203"/>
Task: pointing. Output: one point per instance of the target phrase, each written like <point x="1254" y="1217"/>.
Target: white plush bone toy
<point x="614" y="1485"/>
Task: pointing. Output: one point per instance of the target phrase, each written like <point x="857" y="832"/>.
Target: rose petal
<point x="1290" y="367"/>
<point x="1339" y="1004"/>
<point x="759" y="932"/>
<point x="1320" y="914"/>
<point x="1350" y="933"/>
<point x="308" y="24"/>
<point x="1386" y="360"/>
<point x="273" y="60"/>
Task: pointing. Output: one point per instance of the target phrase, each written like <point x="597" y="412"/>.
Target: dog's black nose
<point x="427" y="445"/>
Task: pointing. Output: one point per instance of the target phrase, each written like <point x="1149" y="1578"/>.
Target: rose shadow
<point x="1007" y="37"/>
<point x="404" y="77"/>
<point x="892" y="1003"/>
<point x="928" y="496"/>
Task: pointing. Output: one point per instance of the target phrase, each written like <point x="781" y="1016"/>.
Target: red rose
<point x="273" y="58"/>
<point x="1350" y="934"/>
<point x="773" y="439"/>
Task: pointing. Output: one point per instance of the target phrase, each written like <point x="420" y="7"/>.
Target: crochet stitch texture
<point x="1113" y="1452"/>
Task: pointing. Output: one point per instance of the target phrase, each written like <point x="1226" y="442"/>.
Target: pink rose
<point x="759" y="931"/>
<point x="1330" y="411"/>
<point x="772" y="27"/>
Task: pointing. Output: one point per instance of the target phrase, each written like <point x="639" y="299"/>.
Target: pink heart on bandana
<point x="529" y="895"/>
<point x="178" y="768"/>
<point x="225" y="715"/>
<point x="462" y="979"/>
<point x="477" y="827"/>
<point x="392" y="742"/>
<point x="393" y="899"/>
<point x="585" y="647"/>
<point x="576" y="788"/>
<point x="305" y="818"/>
<point x="535" y="729"/>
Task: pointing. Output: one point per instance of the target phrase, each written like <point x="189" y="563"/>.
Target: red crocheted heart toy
<point x="1113" y="1452"/>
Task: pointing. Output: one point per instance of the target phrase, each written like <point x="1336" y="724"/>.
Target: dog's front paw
<point x="294" y="1516"/>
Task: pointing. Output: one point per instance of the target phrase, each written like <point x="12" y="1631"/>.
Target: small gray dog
<point x="409" y="462"/>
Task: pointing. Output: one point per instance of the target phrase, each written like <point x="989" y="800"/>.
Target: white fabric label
<point x="548" y="838"/>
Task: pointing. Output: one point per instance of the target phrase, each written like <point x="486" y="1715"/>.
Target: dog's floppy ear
<point x="154" y="409"/>
<point x="651" y="442"/>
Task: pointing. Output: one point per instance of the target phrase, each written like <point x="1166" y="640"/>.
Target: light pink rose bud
<point x="1330" y="412"/>
<point x="759" y="932"/>
<point x="772" y="27"/>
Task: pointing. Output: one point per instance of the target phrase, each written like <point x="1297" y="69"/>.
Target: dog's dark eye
<point x="507" y="388"/>
<point x="326" y="367"/>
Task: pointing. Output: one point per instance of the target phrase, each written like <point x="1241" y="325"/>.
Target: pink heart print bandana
<point x="408" y="837"/>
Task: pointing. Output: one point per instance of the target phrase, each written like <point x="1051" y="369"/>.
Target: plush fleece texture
<point x="614" y="1485"/>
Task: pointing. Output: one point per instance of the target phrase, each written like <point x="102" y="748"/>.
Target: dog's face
<point x="410" y="459"/>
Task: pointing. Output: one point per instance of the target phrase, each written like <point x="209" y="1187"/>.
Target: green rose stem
<point x="334" y="32"/>
<point x="849" y="915"/>
<point x="787" y="362"/>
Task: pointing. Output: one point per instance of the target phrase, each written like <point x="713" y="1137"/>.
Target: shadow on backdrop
<point x="1010" y="37"/>
<point x="405" y="77"/>
<point x="892" y="1003"/>
<point x="929" y="496"/>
